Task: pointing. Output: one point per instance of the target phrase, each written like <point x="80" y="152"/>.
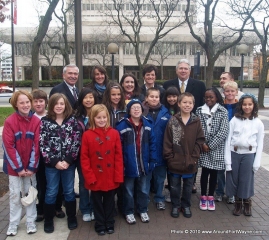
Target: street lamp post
<point x="242" y="49"/>
<point x="113" y="49"/>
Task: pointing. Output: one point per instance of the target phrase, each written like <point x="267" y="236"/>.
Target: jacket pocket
<point x="182" y="164"/>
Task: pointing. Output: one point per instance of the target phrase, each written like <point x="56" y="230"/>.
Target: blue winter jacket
<point x="147" y="149"/>
<point x="159" y="128"/>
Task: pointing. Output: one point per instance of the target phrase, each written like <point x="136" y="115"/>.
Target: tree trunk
<point x="263" y="79"/>
<point x="209" y="73"/>
<point x="42" y="30"/>
<point x="50" y="71"/>
<point x="162" y="71"/>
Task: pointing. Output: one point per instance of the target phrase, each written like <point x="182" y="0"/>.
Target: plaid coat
<point x="215" y="139"/>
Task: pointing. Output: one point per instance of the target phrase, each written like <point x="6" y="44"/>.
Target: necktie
<point x="182" y="88"/>
<point x="75" y="93"/>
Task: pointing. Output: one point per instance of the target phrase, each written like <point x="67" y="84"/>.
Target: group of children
<point x="121" y="149"/>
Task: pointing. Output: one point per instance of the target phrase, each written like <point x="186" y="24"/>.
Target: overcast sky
<point x="28" y="12"/>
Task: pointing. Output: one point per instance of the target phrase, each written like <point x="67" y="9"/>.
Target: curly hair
<point x="239" y="113"/>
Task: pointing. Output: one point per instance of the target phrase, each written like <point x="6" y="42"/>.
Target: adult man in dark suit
<point x="193" y="86"/>
<point x="67" y="87"/>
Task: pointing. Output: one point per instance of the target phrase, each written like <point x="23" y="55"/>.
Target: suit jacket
<point x="195" y="87"/>
<point x="64" y="89"/>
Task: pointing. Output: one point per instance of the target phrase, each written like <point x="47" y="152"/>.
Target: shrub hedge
<point x="52" y="83"/>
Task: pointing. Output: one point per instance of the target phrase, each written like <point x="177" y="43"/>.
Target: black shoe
<point x="175" y="212"/>
<point x="48" y="227"/>
<point x="72" y="223"/>
<point x="39" y="218"/>
<point x="76" y="195"/>
<point x="110" y="230"/>
<point x="101" y="232"/>
<point x="59" y="213"/>
<point x="194" y="189"/>
<point x="186" y="212"/>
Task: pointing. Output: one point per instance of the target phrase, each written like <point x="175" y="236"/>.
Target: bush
<point x="43" y="83"/>
<point x="246" y="83"/>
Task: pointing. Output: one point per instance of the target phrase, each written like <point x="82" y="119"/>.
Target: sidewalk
<point x="219" y="224"/>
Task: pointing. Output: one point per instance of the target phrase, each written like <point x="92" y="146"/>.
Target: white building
<point x="97" y="35"/>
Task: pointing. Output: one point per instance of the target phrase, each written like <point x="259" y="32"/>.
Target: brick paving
<point x="221" y="222"/>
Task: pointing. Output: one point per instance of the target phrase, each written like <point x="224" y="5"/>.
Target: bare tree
<point x="259" y="25"/>
<point x="48" y="55"/>
<point x="60" y="35"/>
<point x="3" y="9"/>
<point x="96" y="51"/>
<point x="212" y="44"/>
<point x="135" y="17"/>
<point x="41" y="33"/>
<point x="162" y="50"/>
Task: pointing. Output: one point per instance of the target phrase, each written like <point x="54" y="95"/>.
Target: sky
<point x="27" y="12"/>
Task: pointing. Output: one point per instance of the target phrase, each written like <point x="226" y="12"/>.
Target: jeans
<point x="175" y="191"/>
<point x="41" y="184"/>
<point x="158" y="174"/>
<point x="140" y="185"/>
<point x="85" y="198"/>
<point x="53" y="176"/>
<point x="221" y="183"/>
<point x="15" y="186"/>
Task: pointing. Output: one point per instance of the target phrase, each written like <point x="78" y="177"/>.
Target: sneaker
<point x="31" y="228"/>
<point x="210" y="203"/>
<point x="230" y="200"/>
<point x="144" y="217"/>
<point x="12" y="230"/>
<point x="130" y="219"/>
<point x="86" y="217"/>
<point x="218" y="198"/>
<point x="167" y="196"/>
<point x="92" y="216"/>
<point x="203" y="203"/>
<point x="160" y="205"/>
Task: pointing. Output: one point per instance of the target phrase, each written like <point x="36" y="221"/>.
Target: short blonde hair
<point x="230" y="84"/>
<point x="95" y="110"/>
<point x="15" y="96"/>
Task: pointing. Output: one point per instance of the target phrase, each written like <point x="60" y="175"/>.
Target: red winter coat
<point x="101" y="159"/>
<point x="21" y="143"/>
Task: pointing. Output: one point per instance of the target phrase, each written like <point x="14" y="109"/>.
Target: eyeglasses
<point x="136" y="108"/>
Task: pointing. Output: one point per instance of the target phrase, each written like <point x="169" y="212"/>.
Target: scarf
<point x="128" y="96"/>
<point x="100" y="88"/>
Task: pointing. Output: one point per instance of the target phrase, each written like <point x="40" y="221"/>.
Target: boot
<point x="71" y="214"/>
<point x="247" y="207"/>
<point x="237" y="207"/>
<point x="49" y="211"/>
